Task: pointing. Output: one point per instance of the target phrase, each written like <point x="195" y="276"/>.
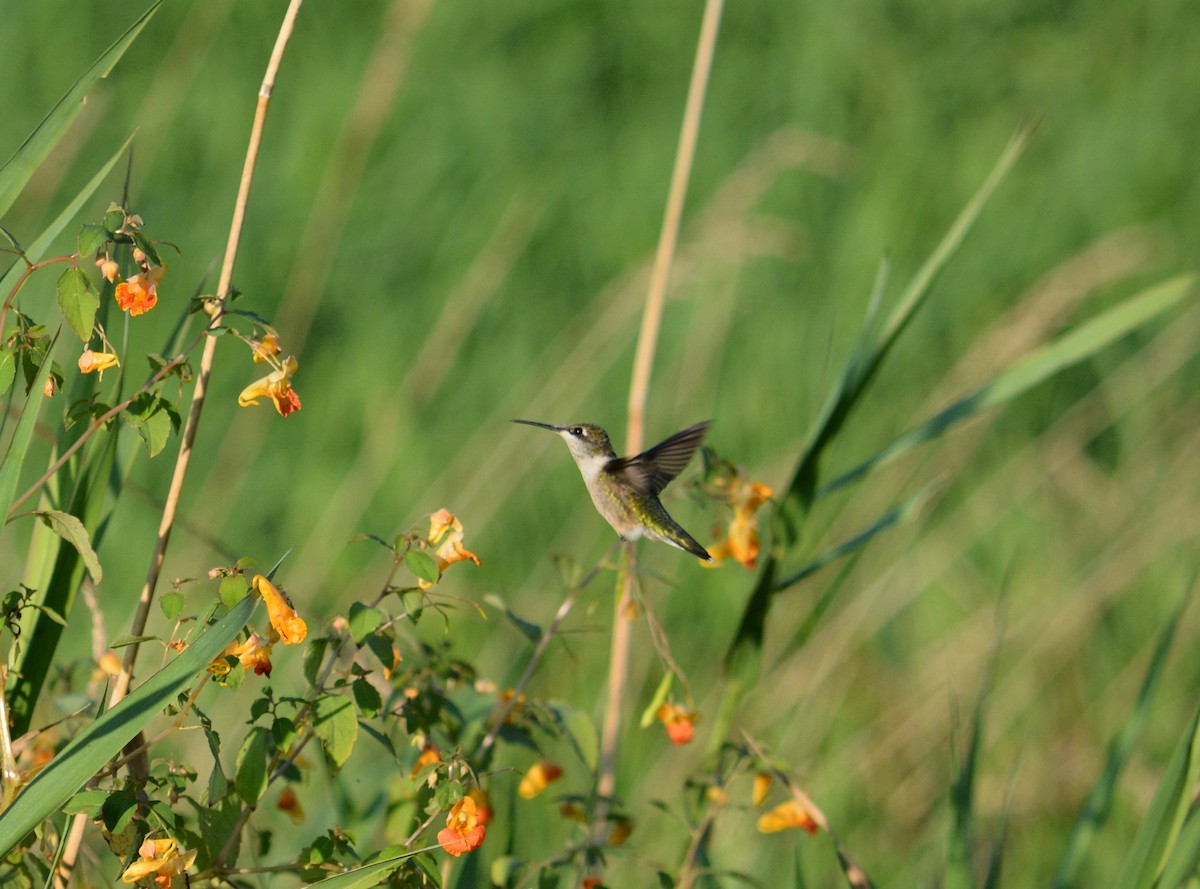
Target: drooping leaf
<point x="336" y="724"/>
<point x="422" y="565"/>
<point x="73" y="532"/>
<point x="79" y="301"/>
<point x="250" y="778"/>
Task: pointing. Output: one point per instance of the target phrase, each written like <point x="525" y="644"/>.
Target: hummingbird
<point x="625" y="489"/>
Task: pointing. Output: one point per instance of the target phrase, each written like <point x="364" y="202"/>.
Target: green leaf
<point x="422" y="565"/>
<point x="250" y="779"/>
<point x="19" y="168"/>
<point x="8" y="369"/>
<point x="579" y="729"/>
<point x="232" y="589"/>
<point x="366" y="876"/>
<point x="86" y="753"/>
<point x="335" y="723"/>
<point x="366" y="696"/>
<point x="125" y="640"/>
<point x="91" y="239"/>
<point x="171" y="605"/>
<point x="79" y="301"/>
<point x="528" y="629"/>
<point x="88" y="801"/>
<point x="70" y="529"/>
<point x="10" y="466"/>
<point x="364" y="620"/>
<point x="154" y="419"/>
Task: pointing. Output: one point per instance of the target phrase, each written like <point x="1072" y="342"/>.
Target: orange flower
<point x="162" y="859"/>
<point x="741" y="540"/>
<point x="445" y="536"/>
<point x="97" y="361"/>
<point x="483" y="807"/>
<point x="266" y="348"/>
<point x="254" y="654"/>
<point x="762" y="786"/>
<point x="287" y="623"/>
<point x="276" y="386"/>
<point x="429" y="755"/>
<point x="540" y="776"/>
<point x="139" y="294"/>
<point x="463" y="831"/>
<point x="790" y="815"/>
<point x="679" y="721"/>
<point x="288" y="802"/>
<point x="620" y="830"/>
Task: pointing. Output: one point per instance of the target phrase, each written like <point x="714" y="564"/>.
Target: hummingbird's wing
<point x="651" y="470"/>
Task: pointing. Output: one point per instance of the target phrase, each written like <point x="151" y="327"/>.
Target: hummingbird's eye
<point x="578" y="430"/>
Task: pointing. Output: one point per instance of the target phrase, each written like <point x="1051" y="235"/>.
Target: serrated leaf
<point x="70" y="529"/>
<point x="335" y="723"/>
<point x="79" y="301"/>
<point x="366" y="696"/>
<point x="171" y="605"/>
<point x="91" y="239"/>
<point x="232" y="589"/>
<point x="154" y="419"/>
<point x="250" y="779"/>
<point x="422" y="565"/>
<point x="364" y="620"/>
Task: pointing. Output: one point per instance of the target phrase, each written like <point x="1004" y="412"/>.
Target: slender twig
<point x="145" y="599"/>
<point x="30" y="268"/>
<point x="643" y="364"/>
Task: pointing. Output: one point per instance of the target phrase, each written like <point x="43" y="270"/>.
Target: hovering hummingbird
<point x="625" y="489"/>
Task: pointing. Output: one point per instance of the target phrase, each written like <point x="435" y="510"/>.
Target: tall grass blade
<point x="1098" y="804"/>
<point x="88" y="751"/>
<point x="19" y="168"/>
<point x="1083" y="342"/>
<point x="18" y="447"/>
<point x="1160" y="828"/>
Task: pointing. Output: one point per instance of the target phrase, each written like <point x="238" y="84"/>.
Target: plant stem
<point x="639" y="386"/>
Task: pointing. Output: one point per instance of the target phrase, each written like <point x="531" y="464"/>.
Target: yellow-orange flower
<point x="483" y="806"/>
<point x="160" y="858"/>
<point x="463" y="831"/>
<point x="790" y="815"/>
<point x="254" y="654"/>
<point x="540" y="776"/>
<point x="429" y="755"/>
<point x="276" y="386"/>
<point x="287" y="623"/>
<point x="740" y="542"/>
<point x="266" y="348"/>
<point x="139" y="294"/>
<point x="97" y="361"/>
<point x="445" y="536"/>
<point x="762" y="786"/>
<point x="288" y="802"/>
<point x="680" y="722"/>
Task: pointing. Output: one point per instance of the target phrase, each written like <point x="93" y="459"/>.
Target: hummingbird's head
<point x="586" y="440"/>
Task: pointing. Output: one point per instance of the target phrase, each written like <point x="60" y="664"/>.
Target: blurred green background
<point x="451" y="226"/>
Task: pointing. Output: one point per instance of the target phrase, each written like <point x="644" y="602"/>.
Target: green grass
<point x="540" y="137"/>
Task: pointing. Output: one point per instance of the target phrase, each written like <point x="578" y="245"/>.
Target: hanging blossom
<point x="464" y="829"/>
<point x="98" y="362"/>
<point x="284" y="620"/>
<point x="139" y="294"/>
<point x="540" y="776"/>
<point x="253" y="654"/>
<point x="789" y="815"/>
<point x="162" y="859"/>
<point x="680" y="722"/>
<point x="740" y="541"/>
<point x="276" y="386"/>
<point x="445" y="536"/>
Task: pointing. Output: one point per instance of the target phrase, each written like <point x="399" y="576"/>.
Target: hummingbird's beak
<point x="539" y="425"/>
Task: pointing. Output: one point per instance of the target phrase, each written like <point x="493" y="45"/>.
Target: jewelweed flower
<point x="160" y="858"/>
<point x="680" y="722"/>
<point x="483" y="806"/>
<point x="790" y="815"/>
<point x="139" y="294"/>
<point x="762" y="786"/>
<point x="445" y="536"/>
<point x="540" y="776"/>
<point x="276" y="386"/>
<point x="254" y="654"/>
<point x="288" y="802"/>
<point x="740" y="542"/>
<point x="429" y="755"/>
<point x="286" y="622"/>
<point x="97" y="361"/>
<point x="463" y="831"/>
<point x="109" y="269"/>
<point x="266" y="348"/>
<point x="620" y="830"/>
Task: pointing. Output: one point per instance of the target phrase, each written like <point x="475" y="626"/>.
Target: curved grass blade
<point x="19" y="168"/>
<point x="88" y="751"/>
<point x="366" y="876"/>
<point x="1099" y="801"/>
<point x="1083" y="342"/>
